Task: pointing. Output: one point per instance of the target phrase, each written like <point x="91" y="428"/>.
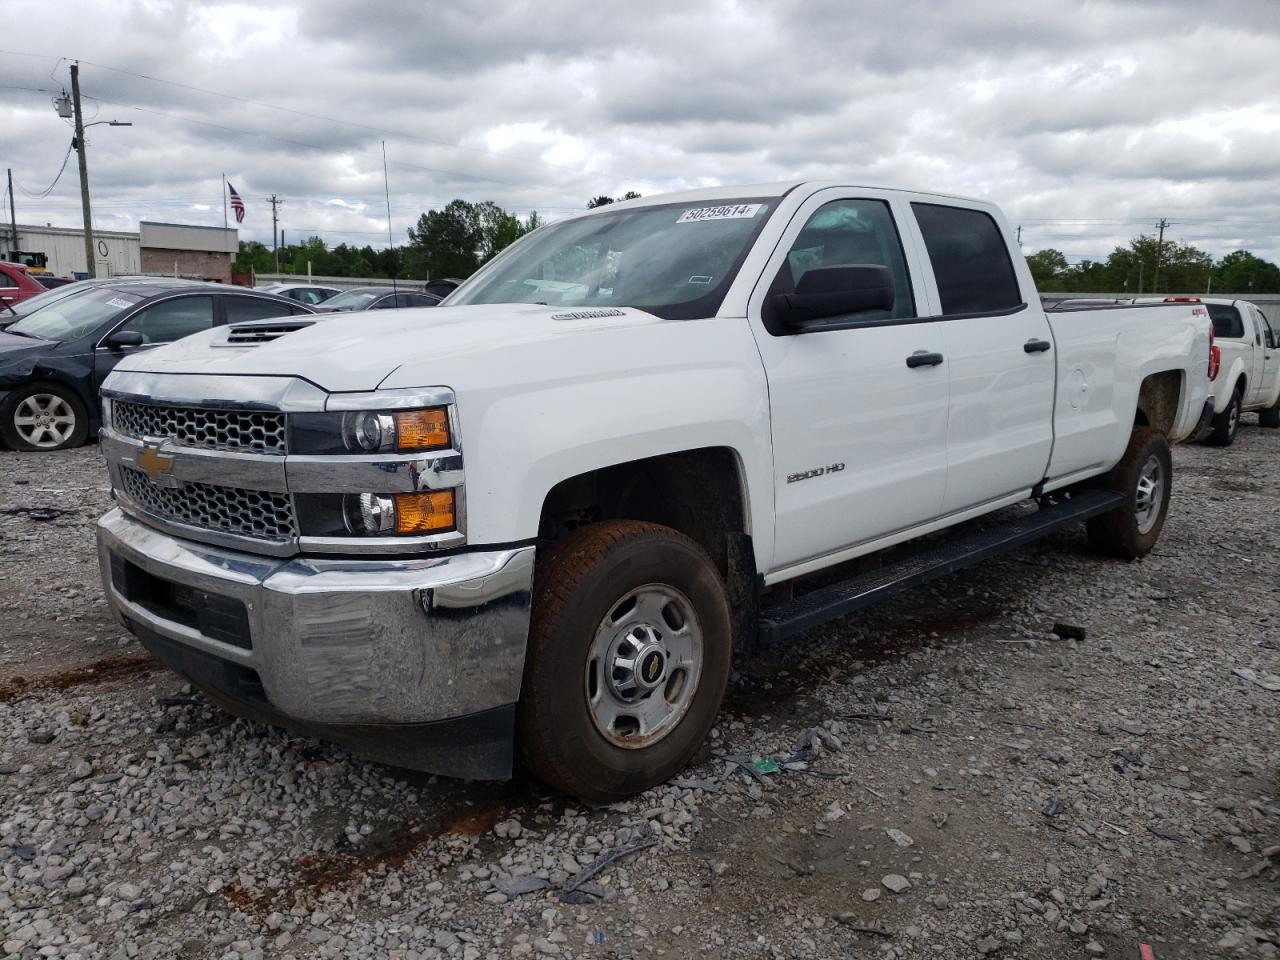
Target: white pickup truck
<point x="1248" y="367"/>
<point x="543" y="514"/>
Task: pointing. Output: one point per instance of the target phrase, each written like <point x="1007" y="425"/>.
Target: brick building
<point x="173" y="248"/>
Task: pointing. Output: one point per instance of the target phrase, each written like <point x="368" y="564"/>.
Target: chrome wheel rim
<point x="44" y="420"/>
<point x="1233" y="418"/>
<point x="644" y="666"/>
<point x="1149" y="494"/>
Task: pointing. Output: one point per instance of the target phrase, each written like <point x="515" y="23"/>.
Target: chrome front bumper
<point x="364" y="644"/>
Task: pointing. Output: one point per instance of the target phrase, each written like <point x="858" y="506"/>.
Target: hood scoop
<point x="262" y="331"/>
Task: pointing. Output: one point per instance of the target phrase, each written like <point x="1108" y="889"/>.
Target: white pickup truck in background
<point x="1248" y="367"/>
<point x="546" y="511"/>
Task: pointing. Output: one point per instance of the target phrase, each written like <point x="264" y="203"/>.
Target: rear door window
<point x="244" y="309"/>
<point x="1227" y="321"/>
<point x="970" y="259"/>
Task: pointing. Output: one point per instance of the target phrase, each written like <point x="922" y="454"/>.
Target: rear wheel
<point x="43" y="416"/>
<point x="1145" y="476"/>
<point x="629" y="653"/>
<point x="1225" y="423"/>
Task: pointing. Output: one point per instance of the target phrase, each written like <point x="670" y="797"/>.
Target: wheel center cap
<point x="651" y="667"/>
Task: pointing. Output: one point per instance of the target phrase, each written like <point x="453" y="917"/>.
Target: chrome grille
<point x="249" y="513"/>
<point x="252" y="432"/>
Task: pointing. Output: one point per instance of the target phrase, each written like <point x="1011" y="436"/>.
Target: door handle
<point x="1037" y="346"/>
<point x="922" y="358"/>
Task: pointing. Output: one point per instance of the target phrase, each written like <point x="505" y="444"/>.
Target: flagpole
<point x="224" y="201"/>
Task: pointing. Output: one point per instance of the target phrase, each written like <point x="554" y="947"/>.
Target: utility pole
<point x="13" y="217"/>
<point x="1019" y="234"/>
<point x="84" y="172"/>
<point x="1155" y="280"/>
<point x="275" y="236"/>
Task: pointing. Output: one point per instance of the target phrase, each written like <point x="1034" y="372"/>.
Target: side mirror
<point x="835" y="291"/>
<point x="124" y="338"/>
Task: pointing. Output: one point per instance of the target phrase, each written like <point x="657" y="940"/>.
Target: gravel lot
<point x="941" y="777"/>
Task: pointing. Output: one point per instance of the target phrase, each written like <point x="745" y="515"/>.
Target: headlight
<point x="374" y="514"/>
<point x="372" y="431"/>
<point x="404" y="431"/>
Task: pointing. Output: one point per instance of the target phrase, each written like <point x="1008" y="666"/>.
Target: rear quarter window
<point x="1227" y="321"/>
<point x="970" y="259"/>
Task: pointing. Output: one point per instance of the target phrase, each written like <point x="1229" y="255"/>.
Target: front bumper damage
<point x="415" y="662"/>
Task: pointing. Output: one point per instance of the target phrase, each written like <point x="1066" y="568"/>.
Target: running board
<point x="948" y="556"/>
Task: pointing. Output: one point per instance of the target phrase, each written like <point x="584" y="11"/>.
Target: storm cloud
<point x="1086" y="121"/>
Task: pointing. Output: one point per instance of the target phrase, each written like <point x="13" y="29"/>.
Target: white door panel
<point x="859" y="438"/>
<point x="1000" y="429"/>
<point x="846" y="399"/>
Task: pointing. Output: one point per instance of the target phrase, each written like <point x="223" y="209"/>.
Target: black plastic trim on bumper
<point x="480" y="746"/>
<point x="1205" y="423"/>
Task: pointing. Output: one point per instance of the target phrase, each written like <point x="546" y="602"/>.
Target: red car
<point x="16" y="284"/>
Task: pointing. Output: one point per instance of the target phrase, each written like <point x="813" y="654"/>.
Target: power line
<point x="61" y="169"/>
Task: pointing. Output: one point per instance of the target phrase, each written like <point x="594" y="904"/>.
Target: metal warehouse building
<point x="197" y="252"/>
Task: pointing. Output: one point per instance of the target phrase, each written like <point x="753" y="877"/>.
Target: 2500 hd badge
<point x="815" y="472"/>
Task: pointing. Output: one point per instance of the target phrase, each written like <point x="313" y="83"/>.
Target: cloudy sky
<point x="1086" y="121"/>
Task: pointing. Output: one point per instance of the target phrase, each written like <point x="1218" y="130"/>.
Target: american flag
<point x="236" y="203"/>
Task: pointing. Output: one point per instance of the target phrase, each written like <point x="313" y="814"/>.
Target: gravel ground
<point x="944" y="776"/>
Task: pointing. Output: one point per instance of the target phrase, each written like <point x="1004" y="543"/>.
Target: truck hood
<point x="359" y="351"/>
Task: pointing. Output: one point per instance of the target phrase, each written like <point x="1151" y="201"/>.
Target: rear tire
<point x="629" y="653"/>
<point x="1270" y="417"/>
<point x="1226" y="423"/>
<point x="43" y="417"/>
<point x="1145" y="476"/>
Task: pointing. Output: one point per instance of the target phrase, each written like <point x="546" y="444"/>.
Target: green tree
<point x="603" y="200"/>
<point x="1242" y="272"/>
<point x="532" y="222"/>
<point x="253" y="257"/>
<point x="1048" y="269"/>
<point x="455" y="241"/>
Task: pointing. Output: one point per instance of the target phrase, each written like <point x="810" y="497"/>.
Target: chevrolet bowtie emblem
<point x="155" y="463"/>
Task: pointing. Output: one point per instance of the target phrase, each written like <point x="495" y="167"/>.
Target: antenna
<point x="386" y="185"/>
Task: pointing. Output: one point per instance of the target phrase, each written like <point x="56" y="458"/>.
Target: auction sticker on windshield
<point x="122" y="301"/>
<point x="733" y="211"/>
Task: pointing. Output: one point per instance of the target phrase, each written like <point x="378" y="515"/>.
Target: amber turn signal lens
<point x="424" y="512"/>
<point x="422" y="429"/>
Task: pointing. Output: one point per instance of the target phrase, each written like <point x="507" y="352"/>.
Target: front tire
<point x="43" y="417"/>
<point x="1226" y="423"/>
<point x="629" y="654"/>
<point x="1145" y="476"/>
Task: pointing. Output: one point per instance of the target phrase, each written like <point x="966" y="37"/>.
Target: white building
<point x="115" y="251"/>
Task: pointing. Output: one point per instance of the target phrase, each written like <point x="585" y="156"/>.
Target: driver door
<point x="859" y="436"/>
<point x="159" y="323"/>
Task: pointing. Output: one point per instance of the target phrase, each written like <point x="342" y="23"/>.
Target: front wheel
<point x="43" y="416"/>
<point x="1225" y="423"/>
<point x="628" y="658"/>
<point x="1145" y="476"/>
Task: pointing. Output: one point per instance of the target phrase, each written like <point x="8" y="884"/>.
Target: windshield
<point x="351" y="300"/>
<point x="73" y="317"/>
<point x="41" y="300"/>
<point x="674" y="260"/>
